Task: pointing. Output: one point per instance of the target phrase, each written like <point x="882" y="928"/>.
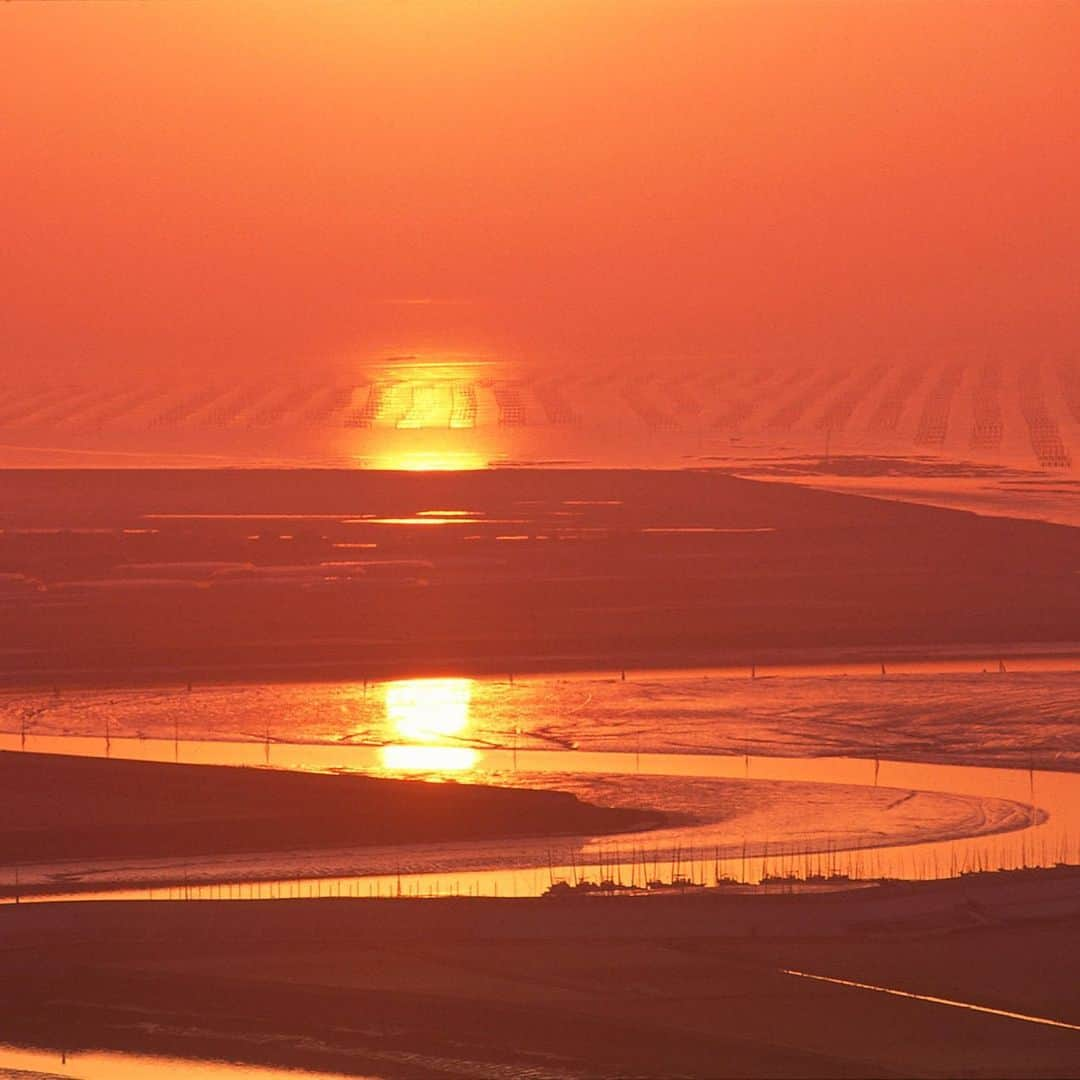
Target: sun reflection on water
<point x="427" y="412"/>
<point x="427" y="714"/>
<point x="408" y="459"/>
<point x="429" y="758"/>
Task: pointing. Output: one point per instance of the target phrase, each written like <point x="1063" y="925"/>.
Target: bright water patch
<point x="16" y="1061"/>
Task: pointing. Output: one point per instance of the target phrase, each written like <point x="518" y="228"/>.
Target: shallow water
<point x="962" y="710"/>
<point x="754" y="418"/>
<point x="17" y="1061"/>
<point x="1020" y="818"/>
<point x="797" y="771"/>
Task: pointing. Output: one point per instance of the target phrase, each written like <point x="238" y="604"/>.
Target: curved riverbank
<point x="138" y="809"/>
<point x="740" y="818"/>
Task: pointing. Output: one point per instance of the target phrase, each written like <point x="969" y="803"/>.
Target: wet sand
<point x="657" y="986"/>
<point x="54" y="807"/>
<point x="712" y="825"/>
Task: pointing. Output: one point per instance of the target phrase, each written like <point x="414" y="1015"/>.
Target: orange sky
<point x="249" y="186"/>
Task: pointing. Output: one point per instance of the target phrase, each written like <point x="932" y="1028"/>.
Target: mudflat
<point x="113" y="577"/>
<point x="600" y="986"/>
<point x="54" y="806"/>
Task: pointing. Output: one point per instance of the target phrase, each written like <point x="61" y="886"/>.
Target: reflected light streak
<point x="893" y="992"/>
<point x="428" y="758"/>
<point x="109" y="1065"/>
<point x="429" y="461"/>
<point x="424" y="521"/>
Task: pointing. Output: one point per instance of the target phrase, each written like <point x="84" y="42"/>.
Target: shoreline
<point x="185" y="810"/>
<point x="1055" y="655"/>
<point x="593" y="985"/>
<point x="506" y="860"/>
<point x="1010" y="896"/>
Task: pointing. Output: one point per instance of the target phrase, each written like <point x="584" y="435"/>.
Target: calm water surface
<point x="16" y="1061"/>
<point x="1041" y="812"/>
<point x="829" y="743"/>
<point x="961" y="710"/>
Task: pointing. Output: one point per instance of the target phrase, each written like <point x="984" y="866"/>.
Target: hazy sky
<point x="245" y="185"/>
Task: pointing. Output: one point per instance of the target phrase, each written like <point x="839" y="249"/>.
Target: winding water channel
<point x="1039" y="827"/>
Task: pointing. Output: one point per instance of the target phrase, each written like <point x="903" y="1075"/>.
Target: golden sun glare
<point x="424" y="709"/>
<point x="404" y="460"/>
<point x="424" y="713"/>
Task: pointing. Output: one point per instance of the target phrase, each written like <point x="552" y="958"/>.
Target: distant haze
<point x="249" y="188"/>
